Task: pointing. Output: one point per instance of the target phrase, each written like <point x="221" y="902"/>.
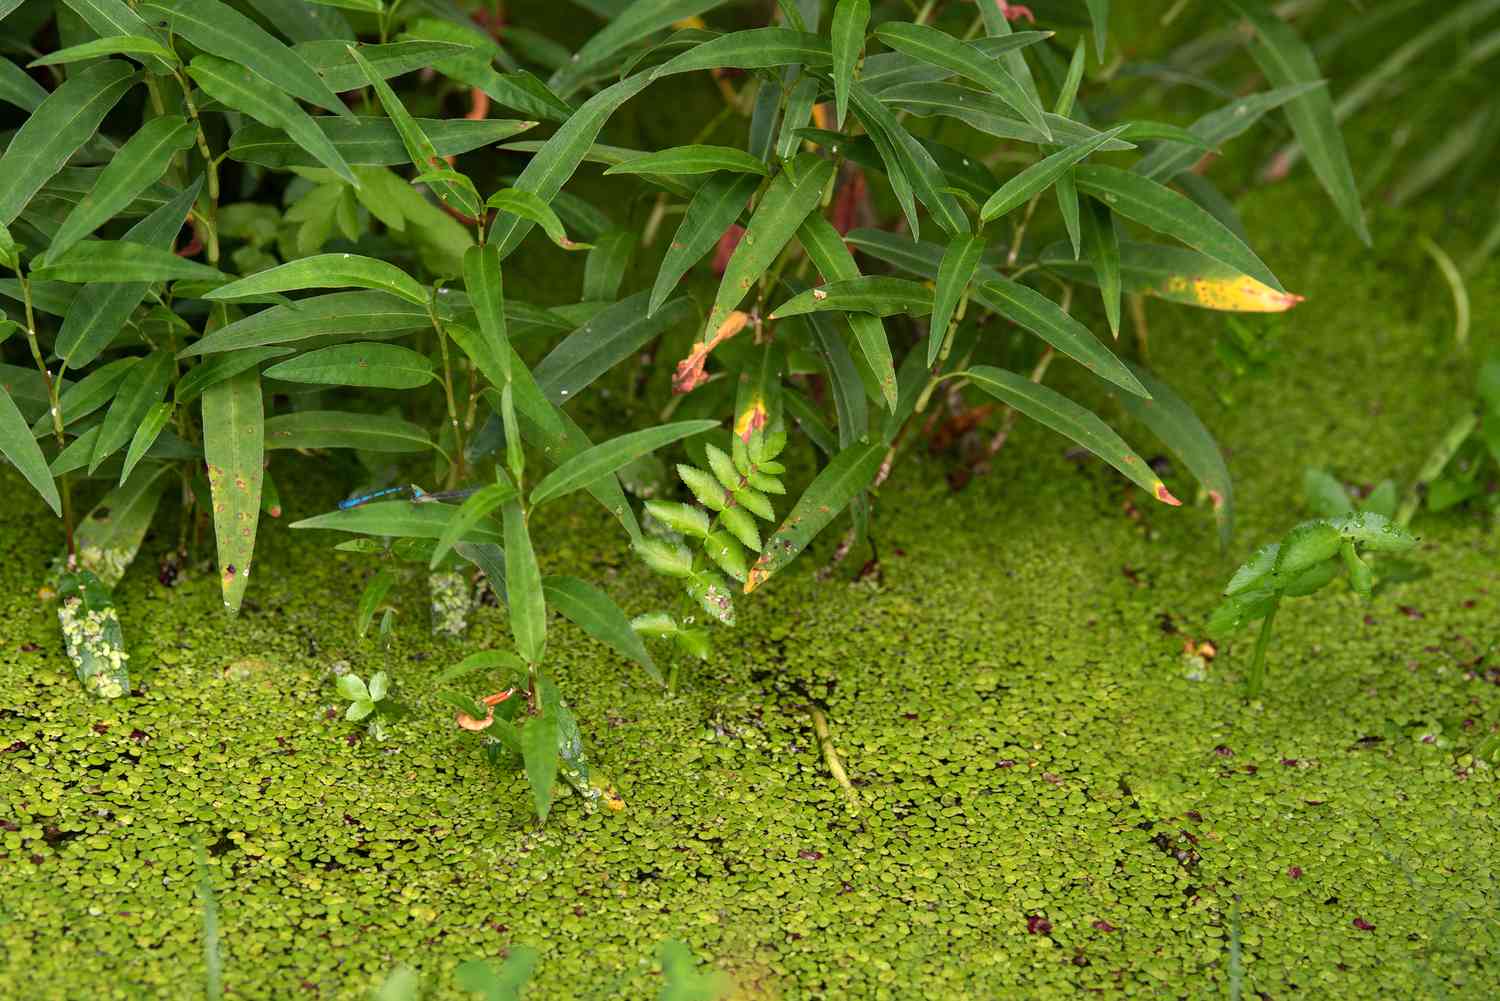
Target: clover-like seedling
<point x="364" y="699"/>
<point x="1307" y="559"/>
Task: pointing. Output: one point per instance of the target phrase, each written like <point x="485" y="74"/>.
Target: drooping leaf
<point x="19" y="446"/>
<point x="1216" y="128"/>
<point x="608" y="457"/>
<point x="1049" y="407"/>
<point x="143" y="387"/>
<point x="62" y="123"/>
<point x="635" y="22"/>
<point x="1099" y="15"/>
<point x="1048" y="321"/>
<point x="851" y="18"/>
<point x="234" y="448"/>
<point x="960" y="258"/>
<point x="330" y="59"/>
<point x="525" y="205"/>
<point x="560" y="156"/>
<point x="304" y="429"/>
<point x="1162" y="209"/>
<point x="145" y="436"/>
<point x="830" y="255"/>
<point x="369" y="364"/>
<point x="843" y="479"/>
<point x="713" y="210"/>
<point x="220" y="367"/>
<point x="484" y="282"/>
<point x="604" y="268"/>
<point x="595" y="613"/>
<point x="476" y="509"/>
<point x="909" y="166"/>
<point x="18" y="88"/>
<point x="523" y="585"/>
<point x="539" y="753"/>
<point x="939" y="48"/>
<point x="1101" y="245"/>
<point x="236" y="86"/>
<point x="123" y="262"/>
<point x="1037" y="177"/>
<point x="325" y="271"/>
<point x="223" y="31"/>
<point x="1177" y="275"/>
<point x="610" y="336"/>
<point x="754" y="48"/>
<point x="1287" y="60"/>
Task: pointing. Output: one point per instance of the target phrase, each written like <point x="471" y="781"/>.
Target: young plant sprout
<point x="1305" y="561"/>
<point x="365" y="700"/>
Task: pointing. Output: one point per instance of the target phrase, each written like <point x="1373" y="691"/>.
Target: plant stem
<point x="1258" y="659"/>
<point x="54" y="403"/>
<point x="456" y="469"/>
<point x="1447" y="446"/>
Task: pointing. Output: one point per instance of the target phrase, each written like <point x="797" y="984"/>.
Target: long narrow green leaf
<point x="236" y="86"/>
<point x="397" y="519"/>
<point x="220" y="29"/>
<point x="99" y="312"/>
<point x="754" y="48"/>
<point x="18" y="88"/>
<point x="123" y="261"/>
<point x="842" y="480"/>
<point x="140" y="163"/>
<point x="589" y="608"/>
<point x="1049" y="407"/>
<point x="485" y="285"/>
<point x="1166" y="161"/>
<point x="1164" y="210"/>
<point x="692" y="159"/>
<point x="1047" y="320"/>
<point x="1171" y="419"/>
<point x="939" y="48"/>
<point x="635" y="22"/>
<point x="325" y="271"/>
<point x="304" y="429"/>
<point x="18" y="445"/>
<point x="143" y="387"/>
<point x="220" y="367"/>
<point x="87" y="394"/>
<point x="368" y="364"/>
<point x="539" y="753"/>
<point x="1177" y="275"/>
<point x="145" y="436"/>
<point x="713" y="209"/>
<point x="890" y="139"/>
<point x="476" y="509"/>
<point x="608" y="457"/>
<point x="877" y="294"/>
<point x="551" y="167"/>
<point x="525" y="205"/>
<point x="1036" y="178"/>
<point x="954" y="274"/>
<point x="1101" y="244"/>
<point x="1099" y="15"/>
<point x="234" y="447"/>
<point x="789" y="200"/>
<point x="366" y="142"/>
<point x="830" y="255"/>
<point x="843" y="377"/>
<point x="337" y="314"/>
<point x="330" y="59"/>
<point x="1286" y="60"/>
<point x="63" y="122"/>
<point x="115" y="45"/>
<point x="108" y="18"/>
<point x="851" y="18"/>
<point x="523" y="585"/>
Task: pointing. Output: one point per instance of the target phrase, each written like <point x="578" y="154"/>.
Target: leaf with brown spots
<point x="234" y="447"/>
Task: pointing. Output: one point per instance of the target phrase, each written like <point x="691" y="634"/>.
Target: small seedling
<point x="364" y="700"/>
<point x="1306" y="560"/>
<point x="1466" y="461"/>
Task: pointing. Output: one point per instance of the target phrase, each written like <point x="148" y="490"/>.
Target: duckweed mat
<point x="1058" y="793"/>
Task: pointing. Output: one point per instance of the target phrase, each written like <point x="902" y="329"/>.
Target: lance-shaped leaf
<point x="325" y="271"/>
<point x="694" y="159"/>
<point x="397" y="519"/>
<point x="220" y="367"/>
<point x="330" y="59"/>
<point x="1164" y="210"/>
<point x="1166" y="161"/>
<point x="1178" y="275"/>
<point x="523" y="586"/>
<point x="560" y="156"/>
<point x="143" y="386"/>
<point x="851" y="18"/>
<point x="18" y="88"/>
<point x="830" y="255"/>
<point x="1101" y="244"/>
<point x="234" y="447"/>
<point x="1099" y="16"/>
<point x="843" y="479"/>
<point x="87" y="394"/>
<point x="1047" y="320"/>
<point x="754" y="48"/>
<point x="608" y="457"/>
<point x="145" y="436"/>
<point x="1171" y="419"/>
<point x="526" y="205"/>
<point x="604" y="269"/>
<point x="109" y="537"/>
<point x="715" y="207"/>
<point x="877" y="294"/>
<point x="424" y="155"/>
<point x="843" y="377"/>
<point x="337" y="314"/>
<point x="485" y="285"/>
<point x="303" y="429"/>
<point x="1037" y="177"/>
<point x="902" y="167"/>
<point x="476" y="509"/>
<point x="955" y="271"/>
<point x="595" y="613"/>
<point x="18" y="445"/>
<point x="140" y="163"/>
<point x="789" y="200"/>
<point x="1049" y="407"/>
<point x="938" y="48"/>
<point x="115" y="45"/>
<point x="62" y="123"/>
<point x="610" y="336"/>
<point x="624" y="28"/>
<point x="368" y="364"/>
<point x="366" y="142"/>
<point x="220" y="29"/>
<point x="123" y="261"/>
<point x="1286" y="60"/>
<point x="237" y="87"/>
<point x="539" y="753"/>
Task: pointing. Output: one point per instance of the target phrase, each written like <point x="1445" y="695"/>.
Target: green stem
<point x="1258" y="660"/>
<point x="54" y="402"/>
<point x="456" y="470"/>
<point x="1440" y="456"/>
